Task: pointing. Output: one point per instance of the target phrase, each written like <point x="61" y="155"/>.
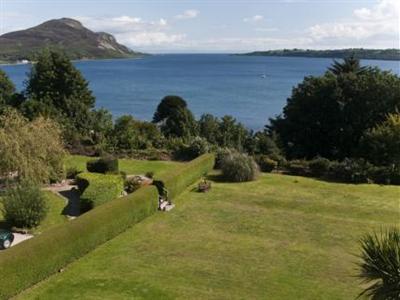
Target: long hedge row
<point x="32" y="261"/>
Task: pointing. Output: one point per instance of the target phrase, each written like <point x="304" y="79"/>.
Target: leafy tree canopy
<point x="327" y="115"/>
<point x="33" y="150"/>
<point x="174" y="118"/>
<point x="7" y="89"/>
<point x="57" y="89"/>
<point x="381" y="144"/>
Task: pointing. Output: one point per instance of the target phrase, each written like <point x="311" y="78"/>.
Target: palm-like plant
<point x="380" y="264"/>
<point x="348" y="65"/>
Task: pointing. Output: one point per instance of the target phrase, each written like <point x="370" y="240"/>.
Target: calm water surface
<point x="252" y="89"/>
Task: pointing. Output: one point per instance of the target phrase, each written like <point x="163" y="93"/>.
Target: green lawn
<point x="129" y="166"/>
<point x="54" y="216"/>
<point x="280" y="237"/>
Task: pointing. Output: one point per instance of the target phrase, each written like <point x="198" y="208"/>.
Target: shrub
<point x="239" y="167"/>
<point x="219" y="156"/>
<point x="193" y="149"/>
<point x="385" y="175"/>
<point x="33" y="149"/>
<point x="319" y="166"/>
<point x="24" y="205"/>
<point x="298" y="167"/>
<point x="103" y="165"/>
<point x="97" y="189"/>
<point x="72" y="172"/>
<point x="132" y="184"/>
<point x="350" y="170"/>
<point x="380" y="264"/>
<point x="266" y="164"/>
<point x="149" y="174"/>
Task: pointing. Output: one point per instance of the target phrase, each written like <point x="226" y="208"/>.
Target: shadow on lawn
<point x="73" y="207"/>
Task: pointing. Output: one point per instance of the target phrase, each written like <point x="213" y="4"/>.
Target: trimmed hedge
<point x="97" y="189"/>
<point x="34" y="260"/>
<point x="178" y="180"/>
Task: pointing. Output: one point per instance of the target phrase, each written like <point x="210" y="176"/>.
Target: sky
<point x="215" y="26"/>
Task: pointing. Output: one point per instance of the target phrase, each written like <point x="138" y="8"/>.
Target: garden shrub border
<point x="34" y="260"/>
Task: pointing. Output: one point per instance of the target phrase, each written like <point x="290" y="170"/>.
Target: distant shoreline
<point x="4" y="63"/>
<point x="373" y="54"/>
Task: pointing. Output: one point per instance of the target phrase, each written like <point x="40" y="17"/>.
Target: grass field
<point x="129" y="166"/>
<point x="281" y="237"/>
<point x="54" y="216"/>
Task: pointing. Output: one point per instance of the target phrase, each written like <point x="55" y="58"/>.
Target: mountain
<point x="383" y="54"/>
<point x="66" y="34"/>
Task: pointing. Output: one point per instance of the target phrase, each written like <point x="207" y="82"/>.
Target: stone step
<point x="169" y="207"/>
<point x="163" y="205"/>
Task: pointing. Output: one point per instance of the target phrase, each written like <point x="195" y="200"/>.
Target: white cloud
<point x="253" y="19"/>
<point x="265" y="29"/>
<point x="378" y="25"/>
<point x="133" y="31"/>
<point x="188" y="14"/>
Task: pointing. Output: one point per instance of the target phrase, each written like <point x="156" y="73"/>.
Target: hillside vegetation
<point x="281" y="237"/>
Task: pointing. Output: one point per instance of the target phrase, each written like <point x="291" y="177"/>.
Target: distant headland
<point x="65" y="34"/>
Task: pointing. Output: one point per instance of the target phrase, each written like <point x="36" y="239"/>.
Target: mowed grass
<point x="56" y="205"/>
<point x="281" y="237"/>
<point x="129" y="166"/>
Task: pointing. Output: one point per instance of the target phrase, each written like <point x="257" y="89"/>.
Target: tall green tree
<point x="348" y="65"/>
<point x="209" y="128"/>
<point x="34" y="150"/>
<point x="7" y="90"/>
<point x="175" y="119"/>
<point x="56" y="88"/>
<point x="130" y="134"/>
<point x="327" y="115"/>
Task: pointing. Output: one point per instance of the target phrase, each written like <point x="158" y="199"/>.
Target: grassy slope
<point x="130" y="166"/>
<point x="54" y="216"/>
<point x="279" y="238"/>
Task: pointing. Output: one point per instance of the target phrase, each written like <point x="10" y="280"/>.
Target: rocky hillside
<point x="66" y="34"/>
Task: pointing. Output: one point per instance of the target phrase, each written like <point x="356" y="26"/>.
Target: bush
<point x="319" y="166"/>
<point x="350" y="170"/>
<point x="266" y="164"/>
<point x="238" y="167"/>
<point x="149" y="174"/>
<point x="219" y="156"/>
<point x="24" y="205"/>
<point x="103" y="165"/>
<point x="183" y="151"/>
<point x="97" y="189"/>
<point x="132" y="184"/>
<point x="72" y="172"/>
<point x="298" y="167"/>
